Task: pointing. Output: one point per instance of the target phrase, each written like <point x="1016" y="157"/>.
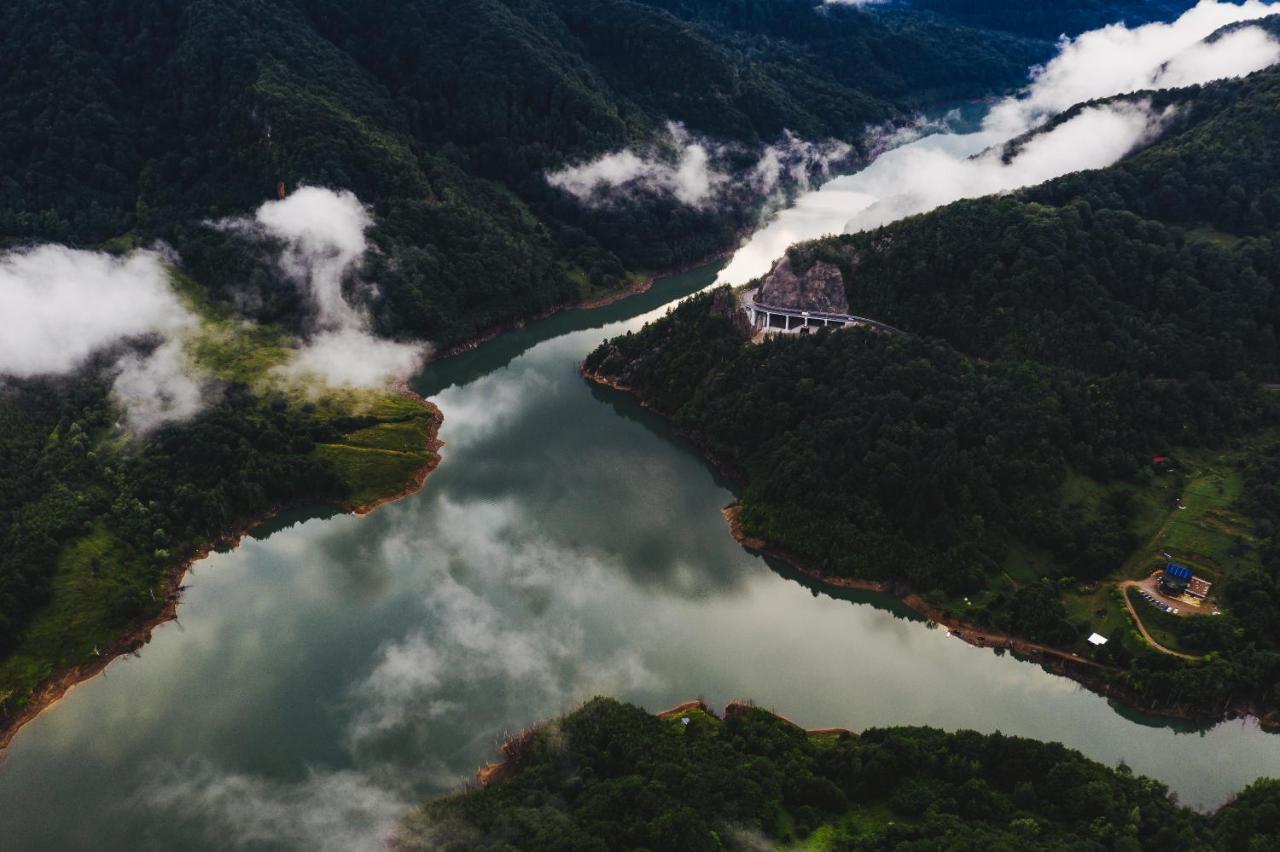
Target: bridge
<point x="772" y="319"/>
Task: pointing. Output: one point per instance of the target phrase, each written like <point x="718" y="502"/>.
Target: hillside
<point x="997" y="456"/>
<point x="127" y="123"/>
<point x="689" y="780"/>
<point x="150" y="118"/>
<point x="1051" y="18"/>
<point x="97" y="524"/>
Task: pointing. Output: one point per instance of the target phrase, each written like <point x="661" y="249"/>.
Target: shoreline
<point x="135" y="638"/>
<point x="59" y="685"/>
<point x="603" y="300"/>
<point x="1089" y="674"/>
<point x="512" y="747"/>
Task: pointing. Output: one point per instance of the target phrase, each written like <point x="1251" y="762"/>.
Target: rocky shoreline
<point x="53" y="690"/>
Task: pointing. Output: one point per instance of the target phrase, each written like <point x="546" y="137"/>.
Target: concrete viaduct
<point x="771" y="319"/>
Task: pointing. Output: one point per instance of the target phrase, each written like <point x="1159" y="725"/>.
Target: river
<point x="333" y="669"/>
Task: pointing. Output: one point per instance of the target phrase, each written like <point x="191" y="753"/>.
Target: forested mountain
<point x="1055" y="341"/>
<point x="1051" y="18"/>
<point x="127" y="121"/>
<point x="147" y="118"/>
<point x="691" y="781"/>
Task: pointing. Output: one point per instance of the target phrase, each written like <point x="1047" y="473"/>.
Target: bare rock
<point x="821" y="289"/>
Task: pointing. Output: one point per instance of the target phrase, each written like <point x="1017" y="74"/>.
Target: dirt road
<point x="1124" y="592"/>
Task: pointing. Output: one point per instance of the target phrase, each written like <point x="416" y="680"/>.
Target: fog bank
<point x="939" y="169"/>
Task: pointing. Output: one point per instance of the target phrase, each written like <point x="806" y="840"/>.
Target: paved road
<point x="1124" y="593"/>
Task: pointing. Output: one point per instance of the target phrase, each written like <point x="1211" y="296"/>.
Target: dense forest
<point x="1070" y="331"/>
<point x="130" y="122"/>
<point x="150" y="118"/>
<point x="691" y="781"/>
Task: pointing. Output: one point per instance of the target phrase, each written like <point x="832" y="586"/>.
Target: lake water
<point x="328" y="674"/>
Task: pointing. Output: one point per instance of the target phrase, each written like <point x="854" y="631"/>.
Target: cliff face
<point x="820" y="289"/>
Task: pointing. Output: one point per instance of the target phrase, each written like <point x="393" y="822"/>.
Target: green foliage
<point x="610" y="776"/>
<point x="150" y="117"/>
<point x="1058" y="335"/>
<point x="93" y="523"/>
<point x="1052" y="18"/>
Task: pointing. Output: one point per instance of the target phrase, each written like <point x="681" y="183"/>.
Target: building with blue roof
<point x="1175" y="579"/>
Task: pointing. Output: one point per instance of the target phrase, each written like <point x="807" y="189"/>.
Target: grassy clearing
<point x="382" y="458"/>
<point x="374" y="459"/>
<point x="865" y="822"/>
<point x="1191" y="513"/>
<point x="1207" y="532"/>
<point x="1213" y="237"/>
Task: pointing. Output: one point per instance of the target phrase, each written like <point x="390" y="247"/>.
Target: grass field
<point x="382" y="459"/>
<point x="865" y="822"/>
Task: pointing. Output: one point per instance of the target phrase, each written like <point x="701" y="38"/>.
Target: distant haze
<point x="942" y="168"/>
<point x="684" y="167"/>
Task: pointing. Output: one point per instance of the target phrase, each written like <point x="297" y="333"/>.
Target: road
<point x="1124" y="593"/>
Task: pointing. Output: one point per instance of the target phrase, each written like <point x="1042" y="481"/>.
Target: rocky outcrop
<point x="820" y="289"/>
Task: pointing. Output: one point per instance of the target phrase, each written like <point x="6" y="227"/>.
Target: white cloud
<point x="684" y="168"/>
<point x="943" y="168"/>
<point x="324" y="236"/>
<point x="1116" y="59"/>
<point x="678" y="166"/>
<point x="352" y="357"/>
<point x="798" y="160"/>
<point x="61" y="305"/>
<point x="328" y="811"/>
<point x="323" y="233"/>
<point x="158" y="388"/>
<point x="470" y="655"/>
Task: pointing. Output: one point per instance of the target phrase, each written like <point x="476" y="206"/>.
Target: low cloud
<point x="693" y="171"/>
<point x="328" y="811"/>
<point x="323" y="236"/>
<point x="941" y="168"/>
<point x="793" y="163"/>
<point x="1117" y="59"/>
<point x="158" y="388"/>
<point x="62" y="305"/>
<point x="678" y="166"/>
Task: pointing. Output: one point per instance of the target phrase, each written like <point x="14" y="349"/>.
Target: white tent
<point x="1098" y="639"/>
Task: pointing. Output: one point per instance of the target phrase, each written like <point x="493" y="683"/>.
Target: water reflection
<point x="325" y="677"/>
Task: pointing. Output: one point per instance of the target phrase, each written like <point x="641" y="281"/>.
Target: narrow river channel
<point x="334" y="669"/>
